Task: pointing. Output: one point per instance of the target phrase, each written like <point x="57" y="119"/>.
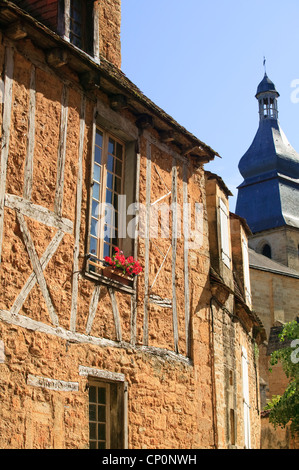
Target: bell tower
<point x="268" y="198"/>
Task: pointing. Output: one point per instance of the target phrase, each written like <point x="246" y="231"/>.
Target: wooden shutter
<point x="225" y="242"/>
<point x="246" y="405"/>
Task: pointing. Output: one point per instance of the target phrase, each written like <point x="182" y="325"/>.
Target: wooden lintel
<point x="57" y="57"/>
<point x="16" y="31"/>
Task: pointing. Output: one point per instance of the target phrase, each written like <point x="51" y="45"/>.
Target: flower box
<point x="120" y="268"/>
<point x="117" y="275"/>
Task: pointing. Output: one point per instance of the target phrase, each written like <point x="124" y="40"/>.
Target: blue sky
<point x="202" y="60"/>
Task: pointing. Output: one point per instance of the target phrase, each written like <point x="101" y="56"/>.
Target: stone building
<point x="91" y="357"/>
<point x="268" y="199"/>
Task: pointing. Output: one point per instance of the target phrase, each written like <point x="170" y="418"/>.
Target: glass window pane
<point x="96" y="191"/>
<point x="93" y="394"/>
<point x="98" y="155"/>
<point x="118" y="167"/>
<point x="108" y="197"/>
<point x="119" y="151"/>
<point x="97" y="172"/>
<point x="93" y="246"/>
<point x="117" y="188"/>
<point x="99" y="138"/>
<point x="106" y="250"/>
<point x="92" y="445"/>
<point x="92" y="431"/>
<point x="111" y="147"/>
<point x="102" y="431"/>
<point x="109" y="180"/>
<point x="95" y="209"/>
<point x="102" y="413"/>
<point x="110" y="163"/>
<point x="102" y="395"/>
<point x="94" y="227"/>
<point x="77" y="29"/>
<point x="101" y="445"/>
<point x="115" y="203"/>
<point x="92" y="413"/>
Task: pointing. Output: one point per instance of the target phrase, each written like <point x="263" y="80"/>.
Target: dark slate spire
<point x="269" y="194"/>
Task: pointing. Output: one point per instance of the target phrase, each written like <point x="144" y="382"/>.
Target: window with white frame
<point x="246" y="271"/>
<point x="224" y="233"/>
<point x="79" y="24"/>
<point x="107" y="189"/>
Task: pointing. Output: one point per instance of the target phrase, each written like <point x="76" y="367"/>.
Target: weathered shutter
<point x="246" y="405"/>
<point x="246" y="271"/>
<point x="225" y="245"/>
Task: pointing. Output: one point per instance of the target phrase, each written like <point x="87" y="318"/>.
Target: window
<point x="106" y="198"/>
<point x="106" y="415"/>
<point x="82" y="25"/>
<point x="78" y="23"/>
<point x="224" y="231"/>
<point x="232" y="426"/>
<point x="246" y="406"/>
<point x="247" y="286"/>
<point x="266" y="251"/>
<point x="99" y="416"/>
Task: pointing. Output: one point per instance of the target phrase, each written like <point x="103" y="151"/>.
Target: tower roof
<point x="269" y="194"/>
<point x="266" y="85"/>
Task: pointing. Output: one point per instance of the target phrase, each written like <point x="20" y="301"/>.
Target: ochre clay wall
<point x="60" y="326"/>
<point x="169" y="397"/>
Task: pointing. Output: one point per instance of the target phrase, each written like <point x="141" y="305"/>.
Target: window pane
<point x="77" y="29"/>
<point x="115" y="202"/>
<point x="93" y="246"/>
<point x="102" y="395"/>
<point x="99" y="138"/>
<point x="117" y="188"/>
<point x="106" y="250"/>
<point x="92" y="413"/>
<point x="102" y="431"/>
<point x="109" y="180"/>
<point x="96" y="191"/>
<point x="95" y="209"/>
<point x="94" y="227"/>
<point x="101" y="445"/>
<point x="92" y="445"/>
<point x="92" y="431"/>
<point x="98" y="155"/>
<point x="111" y="147"/>
<point x="97" y="172"/>
<point x="93" y="394"/>
<point x="102" y="413"/>
<point x="108" y="197"/>
<point x="110" y="163"/>
<point x="119" y="151"/>
<point x="118" y="168"/>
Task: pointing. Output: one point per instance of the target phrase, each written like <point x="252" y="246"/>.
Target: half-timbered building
<point x="93" y="176"/>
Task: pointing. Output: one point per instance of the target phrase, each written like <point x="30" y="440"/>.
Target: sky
<point x="202" y="60"/>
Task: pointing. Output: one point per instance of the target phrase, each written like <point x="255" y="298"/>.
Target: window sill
<point x="109" y="282"/>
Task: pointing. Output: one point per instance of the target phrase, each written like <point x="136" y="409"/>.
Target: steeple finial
<point x="264" y="64"/>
